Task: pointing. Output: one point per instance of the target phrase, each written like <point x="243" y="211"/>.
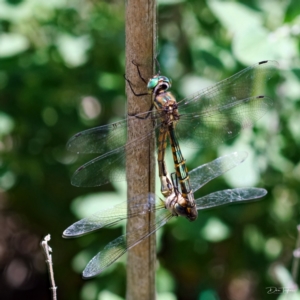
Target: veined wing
<point x="106" y="168"/>
<point x="210" y="128"/>
<point x="211" y="116"/>
<point x="229" y="196"/>
<point x="198" y="177"/>
<point x="218" y="113"/>
<point x="110" y="166"/>
<point x="103" y="139"/>
<point x="205" y="173"/>
<point x="245" y="84"/>
<point x="100" y="139"/>
<point x="115" y="214"/>
<point x="122" y="244"/>
<point x="155" y="205"/>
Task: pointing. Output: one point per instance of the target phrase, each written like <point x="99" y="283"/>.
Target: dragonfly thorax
<point x="166" y="103"/>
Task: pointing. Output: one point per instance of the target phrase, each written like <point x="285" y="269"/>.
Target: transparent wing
<point x="110" y="166"/>
<point x="198" y="177"/>
<point x="122" y="244"/>
<point x="218" y="113"/>
<point x="234" y="91"/>
<point x="114" y="215"/>
<point x="205" y="173"/>
<point x="105" y="138"/>
<point x="218" y="125"/>
<point x="229" y="196"/>
<point x="106" y="168"/>
<point x="99" y="139"/>
<point x="210" y="116"/>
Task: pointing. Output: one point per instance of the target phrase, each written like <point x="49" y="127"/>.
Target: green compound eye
<point x="152" y="83"/>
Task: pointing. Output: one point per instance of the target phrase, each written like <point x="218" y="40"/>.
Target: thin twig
<point x="47" y="249"/>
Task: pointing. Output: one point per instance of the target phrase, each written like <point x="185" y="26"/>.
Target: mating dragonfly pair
<point x="209" y="117"/>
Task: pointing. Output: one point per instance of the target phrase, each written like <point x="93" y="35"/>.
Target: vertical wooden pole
<point x="140" y="47"/>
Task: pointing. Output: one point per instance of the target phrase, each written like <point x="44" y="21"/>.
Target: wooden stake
<point x="140" y="47"/>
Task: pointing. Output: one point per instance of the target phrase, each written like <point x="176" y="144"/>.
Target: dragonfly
<point x="164" y="210"/>
<point x="209" y="117"/>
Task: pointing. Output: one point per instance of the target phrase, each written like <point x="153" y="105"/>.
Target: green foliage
<point x="61" y="71"/>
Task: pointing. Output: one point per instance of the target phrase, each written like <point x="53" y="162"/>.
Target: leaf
<point x="235" y="16"/>
<point x="12" y="44"/>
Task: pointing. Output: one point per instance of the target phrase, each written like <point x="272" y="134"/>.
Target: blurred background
<point x="57" y="78"/>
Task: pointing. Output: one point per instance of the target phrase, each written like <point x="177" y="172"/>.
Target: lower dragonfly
<point x="209" y="117"/>
<point x="164" y="210"/>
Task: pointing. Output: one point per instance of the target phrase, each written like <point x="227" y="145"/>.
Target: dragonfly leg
<point x="140" y="75"/>
<point x="130" y="85"/>
<point x="138" y="95"/>
<point x="145" y="117"/>
<point x="138" y="69"/>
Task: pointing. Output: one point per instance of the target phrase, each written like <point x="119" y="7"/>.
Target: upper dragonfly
<point x="209" y="117"/>
<point x="164" y="210"/>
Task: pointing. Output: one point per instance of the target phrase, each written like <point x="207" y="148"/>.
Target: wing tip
<point x="241" y="156"/>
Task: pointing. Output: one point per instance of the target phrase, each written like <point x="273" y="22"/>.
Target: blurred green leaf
<point x="165" y="296"/>
<point x="73" y="49"/>
<point x="12" y="44"/>
<point x="169" y="2"/>
<point x="89" y="291"/>
<point x="6" y="124"/>
<point x="165" y="283"/>
<point x="208" y="295"/>
<point x="273" y="248"/>
<point x="235" y="16"/>
<point x="257" y="43"/>
<point x="215" y="230"/>
<point x="106" y="295"/>
<point x="254" y="237"/>
<point x="87" y="205"/>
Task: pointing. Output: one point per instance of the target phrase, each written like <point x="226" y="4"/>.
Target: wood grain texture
<point x="140" y="47"/>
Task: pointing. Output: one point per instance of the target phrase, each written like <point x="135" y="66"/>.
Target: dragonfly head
<point x="158" y="83"/>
